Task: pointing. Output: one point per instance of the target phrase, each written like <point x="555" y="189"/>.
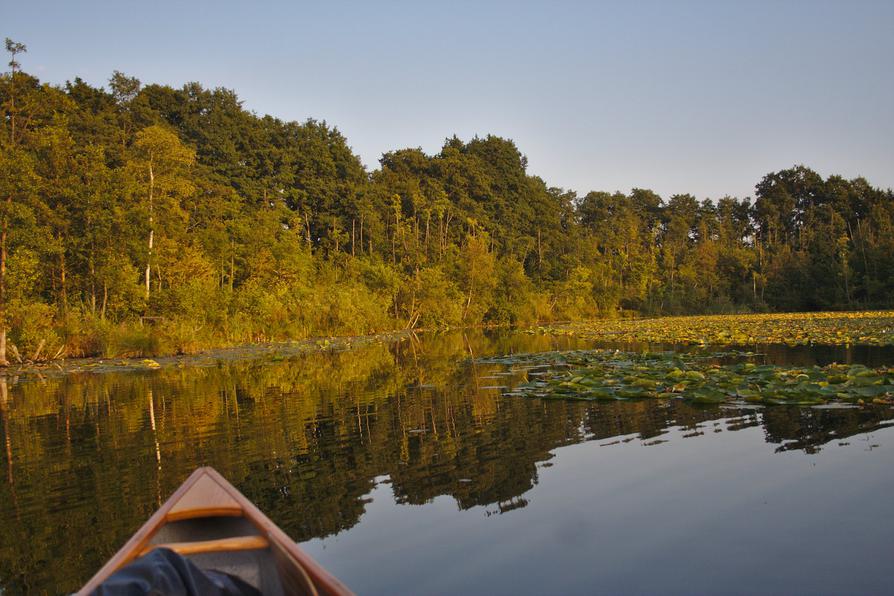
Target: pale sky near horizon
<point x="702" y="97"/>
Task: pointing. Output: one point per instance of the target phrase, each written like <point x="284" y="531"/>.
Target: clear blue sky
<point x="702" y="97"/>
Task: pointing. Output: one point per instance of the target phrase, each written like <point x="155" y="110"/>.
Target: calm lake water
<point x="403" y="468"/>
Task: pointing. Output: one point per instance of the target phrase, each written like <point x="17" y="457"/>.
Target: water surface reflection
<point x="320" y="441"/>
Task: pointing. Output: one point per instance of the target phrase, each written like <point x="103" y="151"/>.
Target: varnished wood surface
<point x="212" y="546"/>
<point x="294" y="579"/>
<point x="206" y="498"/>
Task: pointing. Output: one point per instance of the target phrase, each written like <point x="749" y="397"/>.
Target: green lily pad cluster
<point x="824" y="328"/>
<point x="704" y="378"/>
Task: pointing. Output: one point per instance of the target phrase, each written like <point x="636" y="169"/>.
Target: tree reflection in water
<point x="89" y="457"/>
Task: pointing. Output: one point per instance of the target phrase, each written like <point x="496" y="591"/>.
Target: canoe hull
<point x="217" y="527"/>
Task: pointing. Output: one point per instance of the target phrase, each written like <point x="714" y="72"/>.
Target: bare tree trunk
<point x="468" y="303"/>
<point x="149" y="261"/>
<point x="232" y="268"/>
<point x="447" y="230"/>
<point x="92" y="281"/>
<point x="151" y="228"/>
<point x="863" y="252"/>
<point x="105" y="300"/>
<point x="64" y="289"/>
<point x="413" y="316"/>
<point x="12" y="102"/>
<point x="307" y="227"/>
<point x="4" y="233"/>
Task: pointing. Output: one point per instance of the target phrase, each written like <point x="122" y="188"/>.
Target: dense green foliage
<point x="213" y="225"/>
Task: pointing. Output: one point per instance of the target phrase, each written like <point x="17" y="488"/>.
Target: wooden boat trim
<point x="296" y="580"/>
<point x="324" y="582"/>
<point x="203" y="512"/>
<point x="212" y="546"/>
<point x="208" y="497"/>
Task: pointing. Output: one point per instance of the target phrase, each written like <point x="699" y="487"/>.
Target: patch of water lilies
<point x="823" y="328"/>
<point x="701" y="378"/>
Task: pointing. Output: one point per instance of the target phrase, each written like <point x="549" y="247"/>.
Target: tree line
<point x="140" y="219"/>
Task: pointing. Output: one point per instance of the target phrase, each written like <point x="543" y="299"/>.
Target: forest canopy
<point x="138" y="219"/>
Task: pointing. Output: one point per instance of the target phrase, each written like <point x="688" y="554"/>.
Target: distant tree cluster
<point x="140" y="219"/>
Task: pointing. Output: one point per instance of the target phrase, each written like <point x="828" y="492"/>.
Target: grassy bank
<point x="155" y="338"/>
<point x="216" y="356"/>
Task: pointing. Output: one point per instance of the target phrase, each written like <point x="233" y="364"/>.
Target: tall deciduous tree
<point x="161" y="164"/>
<point x="12" y="165"/>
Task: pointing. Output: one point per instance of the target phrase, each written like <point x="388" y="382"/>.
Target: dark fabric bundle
<point x="163" y="572"/>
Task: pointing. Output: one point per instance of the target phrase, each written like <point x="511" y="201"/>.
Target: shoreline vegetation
<point x="216" y="356"/>
<point x="144" y="220"/>
<point x="867" y="328"/>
